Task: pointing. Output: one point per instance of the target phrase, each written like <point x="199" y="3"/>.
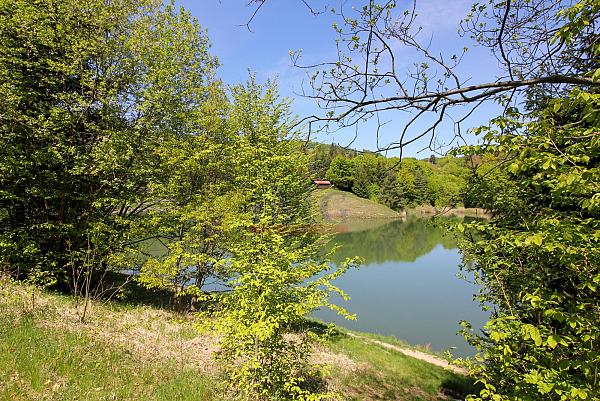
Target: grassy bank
<point x="388" y="375"/>
<point x="45" y="363"/>
<point x="335" y="206"/>
<point x="138" y="352"/>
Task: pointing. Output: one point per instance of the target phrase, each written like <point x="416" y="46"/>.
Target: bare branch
<point x="364" y="79"/>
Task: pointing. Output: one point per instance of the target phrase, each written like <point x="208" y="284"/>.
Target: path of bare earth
<point x="413" y="353"/>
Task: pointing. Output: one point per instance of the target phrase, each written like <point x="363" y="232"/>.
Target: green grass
<point x="336" y="206"/>
<point x="394" y="341"/>
<point x="129" y="351"/>
<point x="389" y="375"/>
<point x="41" y="363"/>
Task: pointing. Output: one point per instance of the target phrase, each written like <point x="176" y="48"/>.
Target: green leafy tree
<point x="421" y="187"/>
<point x="92" y="91"/>
<point x="449" y="179"/>
<point x="189" y="229"/>
<point x="539" y="257"/>
<point x="341" y="172"/>
<point x="362" y="180"/>
<point x="369" y="172"/>
<point x="277" y="272"/>
<point x="391" y="194"/>
<point x="406" y="181"/>
<point x="320" y="156"/>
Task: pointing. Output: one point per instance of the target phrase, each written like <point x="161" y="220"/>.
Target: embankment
<point x="128" y="351"/>
<point x="337" y="206"/>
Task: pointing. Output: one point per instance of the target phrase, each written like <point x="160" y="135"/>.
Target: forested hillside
<point x="398" y="184"/>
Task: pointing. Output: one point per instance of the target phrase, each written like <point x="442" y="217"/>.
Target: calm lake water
<point x="408" y="286"/>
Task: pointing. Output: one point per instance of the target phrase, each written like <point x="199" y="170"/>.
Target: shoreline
<point x="339" y="207"/>
<point x="432" y="211"/>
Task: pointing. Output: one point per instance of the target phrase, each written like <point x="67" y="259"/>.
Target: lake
<point x="408" y="285"/>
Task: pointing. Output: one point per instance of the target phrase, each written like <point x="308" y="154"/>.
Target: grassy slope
<point x="390" y="375"/>
<point x="42" y="363"/>
<point x="336" y="206"/>
<point x="126" y="352"/>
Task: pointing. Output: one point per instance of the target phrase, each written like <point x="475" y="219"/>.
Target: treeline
<point x="398" y="184"/>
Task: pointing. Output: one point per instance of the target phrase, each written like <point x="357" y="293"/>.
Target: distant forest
<point x="398" y="184"/>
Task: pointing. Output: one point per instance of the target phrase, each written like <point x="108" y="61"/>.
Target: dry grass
<point x="154" y="337"/>
<point x="148" y="333"/>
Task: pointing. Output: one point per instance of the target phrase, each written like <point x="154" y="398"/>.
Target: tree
<point x="181" y="242"/>
<point x="320" y="156"/>
<point x="277" y="273"/>
<point x="341" y="172"/>
<point x="421" y="187"/>
<point x="391" y="193"/>
<point x="406" y="185"/>
<point x="448" y="181"/>
<point x="539" y="257"/>
<point x="362" y="181"/>
<point x="368" y="169"/>
<point x="88" y="103"/>
<point x="414" y="177"/>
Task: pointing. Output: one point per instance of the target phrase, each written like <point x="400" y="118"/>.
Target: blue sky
<point x="284" y="25"/>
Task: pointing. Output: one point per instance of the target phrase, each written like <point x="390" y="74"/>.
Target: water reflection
<point x="407" y="286"/>
<point x="391" y="241"/>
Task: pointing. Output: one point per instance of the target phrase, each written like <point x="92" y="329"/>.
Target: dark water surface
<point x="408" y="286"/>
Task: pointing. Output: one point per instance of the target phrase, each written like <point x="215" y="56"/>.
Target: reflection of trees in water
<point x="397" y="241"/>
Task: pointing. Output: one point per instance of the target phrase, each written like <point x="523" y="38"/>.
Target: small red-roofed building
<point x="322" y="184"/>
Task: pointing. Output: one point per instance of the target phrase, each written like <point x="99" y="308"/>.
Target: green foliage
<point x="539" y="257"/>
<point x="88" y="105"/>
<point x="341" y="172"/>
<point x="194" y="238"/>
<point x="391" y="193"/>
<point x="369" y="172"/>
<point x="195" y="217"/>
<point x="321" y="155"/>
<point x="112" y="140"/>
<point x="276" y="271"/>
<point x="361" y="183"/>
<point x="399" y="184"/>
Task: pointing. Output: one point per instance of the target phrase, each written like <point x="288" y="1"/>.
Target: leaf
<point x="535" y="336"/>
<point x="537" y="239"/>
<point x="556" y="106"/>
<point x="514" y="167"/>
